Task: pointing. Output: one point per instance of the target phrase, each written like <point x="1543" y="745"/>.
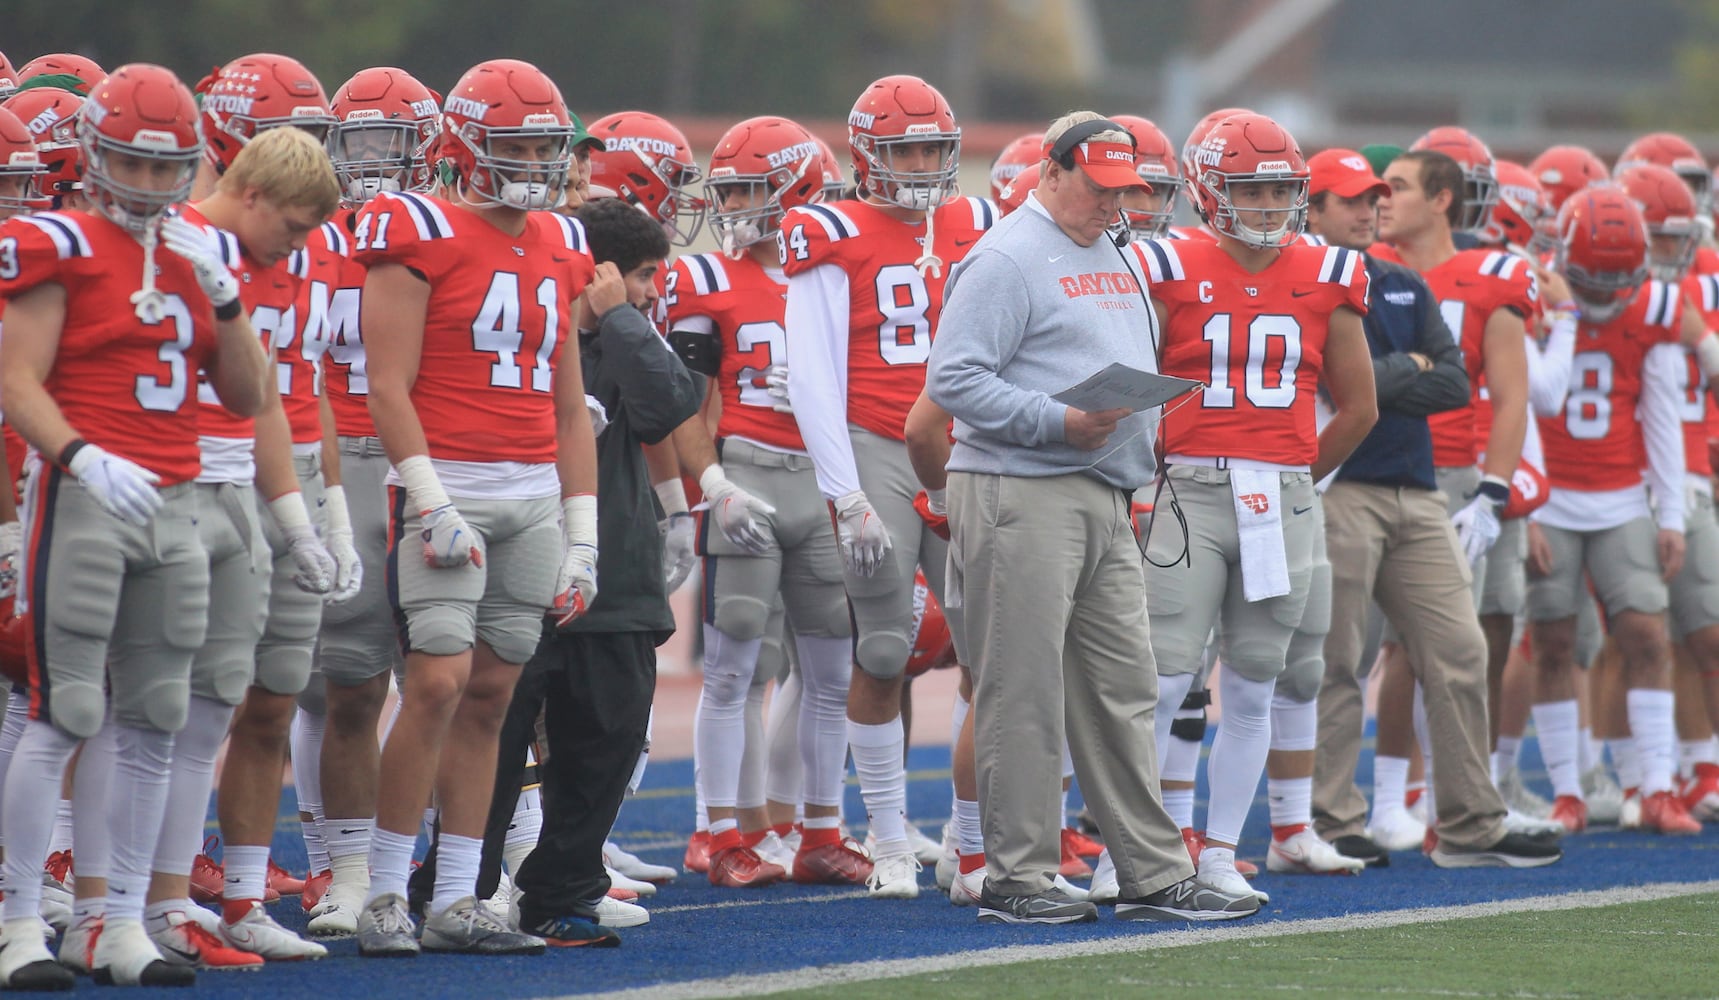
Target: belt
<point x="361" y="447"/>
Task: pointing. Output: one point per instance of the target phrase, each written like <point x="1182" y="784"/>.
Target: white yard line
<point x="852" y="972"/>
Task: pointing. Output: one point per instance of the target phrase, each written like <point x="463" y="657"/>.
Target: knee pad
<point x="77" y="709"/>
<point x="741" y="616"/>
<point x="283" y="669"/>
<point x="313" y="700"/>
<point x="161" y="706"/>
<point x="440" y="630"/>
<point x="1254" y="659"/>
<point x="772" y="662"/>
<point x="1189" y="722"/>
<point x="1304" y="674"/>
<point x="883" y="653"/>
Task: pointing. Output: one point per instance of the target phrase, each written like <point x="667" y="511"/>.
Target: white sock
<point x="1627" y="761"/>
<point x="1390" y="784"/>
<point x="247" y="871"/>
<point x="390" y="863"/>
<point x="1504" y="758"/>
<point x="969" y="835"/>
<point x="457" y="862"/>
<point x="306" y="737"/>
<point x="134" y="815"/>
<point x="38" y="763"/>
<point x="349" y="849"/>
<point x="878" y="759"/>
<point x="1560" y="737"/>
<point x="155" y="915"/>
<point x="1238" y="754"/>
<point x="192" y="776"/>
<point x="1653" y="727"/>
<point x="1591" y="752"/>
<point x="1693" y="752"/>
<point x="89" y="906"/>
<point x="1290" y="800"/>
<point x="1179" y="803"/>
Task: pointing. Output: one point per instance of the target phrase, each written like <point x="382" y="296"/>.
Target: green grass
<point x="1667" y="948"/>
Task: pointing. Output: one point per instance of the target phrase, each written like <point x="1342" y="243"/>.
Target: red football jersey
<point x="745" y="304"/>
<point x="121" y="383"/>
<point x="1256" y="340"/>
<point x="299" y="350"/>
<point x="1596" y="444"/>
<point x="269" y="295"/>
<point x="1702" y="290"/>
<point x="343" y="362"/>
<point x="1470" y="287"/>
<point x="892" y="307"/>
<point x="500" y="309"/>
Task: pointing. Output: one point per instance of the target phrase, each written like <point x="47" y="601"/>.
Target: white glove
<point x="122" y="487"/>
<point x="860" y="534"/>
<point x="313" y="566"/>
<point x="203" y="250"/>
<point x="679" y="551"/>
<point x="734" y="510"/>
<point x="776" y="384"/>
<point x="576" y="586"/>
<point x="1477" y="524"/>
<point x="448" y="541"/>
<point x="11" y="547"/>
<point x="599" y="415"/>
<point x="348" y="570"/>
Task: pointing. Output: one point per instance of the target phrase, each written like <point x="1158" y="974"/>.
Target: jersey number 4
<point x="497" y="331"/>
<point x="1268" y="362"/>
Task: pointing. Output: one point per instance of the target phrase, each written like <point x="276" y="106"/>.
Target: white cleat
<point x="1220" y="873"/>
<point x="257" y="933"/>
<point x="613" y="912"/>
<point x="948" y="860"/>
<point x="1071" y="890"/>
<point x="620" y="881"/>
<point x="1304" y="853"/>
<point x="77" y="947"/>
<point x="1396" y="830"/>
<point x="1103" y="888"/>
<point x="1604" y="796"/>
<point x="125" y="956"/>
<point x="1515" y="822"/>
<point x="894" y="876"/>
<point x="26" y="963"/>
<point x="1629" y="812"/>
<point x="56" y="905"/>
<point x="772" y="849"/>
<point x="965" y="890"/>
<point x="336" y="913"/>
<point x="1520" y="797"/>
<point x="925" y="850"/>
<point x="633" y="866"/>
<point x="504" y="903"/>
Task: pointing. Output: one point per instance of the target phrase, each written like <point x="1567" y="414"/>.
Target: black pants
<point x="594" y="690"/>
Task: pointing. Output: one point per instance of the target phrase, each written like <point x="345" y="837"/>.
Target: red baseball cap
<point x="1110" y="164"/>
<point x="1345" y="173"/>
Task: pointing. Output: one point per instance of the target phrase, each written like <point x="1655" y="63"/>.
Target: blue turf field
<point x="699" y="932"/>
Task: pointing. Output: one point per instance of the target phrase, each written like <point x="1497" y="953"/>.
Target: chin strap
<point x="929" y="261"/>
<point x="148" y="302"/>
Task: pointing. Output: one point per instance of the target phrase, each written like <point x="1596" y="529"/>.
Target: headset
<point x="1063" y="151"/>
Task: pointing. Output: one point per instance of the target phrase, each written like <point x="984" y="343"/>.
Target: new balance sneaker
<point x="314" y="887"/>
<point x="574" y="932"/>
<point x="741" y="868"/>
<point x="257" y="932"/>
<point x="1603" y="794"/>
<point x="1701" y="792"/>
<point x="894" y="876"/>
<point x="1570" y="812"/>
<point x="831" y="864"/>
<point x="1302" y="852"/>
<point x="1363" y="849"/>
<point x="1053" y="906"/>
<point x="1513" y="850"/>
<point x="1080" y="844"/>
<point x="1521" y="798"/>
<point x="772" y="849"/>
<point x="1071" y="864"/>
<point x="948" y="863"/>
<point x="967" y="888"/>
<point x="1395" y="829"/>
<point x="471" y="929"/>
<point x="25" y="962"/>
<point x="385" y="929"/>
<point x="337" y="913"/>
<point x="1189" y="899"/>
<point x="697" y="858"/>
<point x="282" y="881"/>
<point x="1218" y="870"/>
<point x="184" y="941"/>
<point x="1663" y="812"/>
<point x="926" y="850"/>
<point x="77" y="945"/>
<point x="1103" y="888"/>
<point x="124" y="956"/>
<point x="633" y="866"/>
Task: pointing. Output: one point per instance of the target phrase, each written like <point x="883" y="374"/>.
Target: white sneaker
<point x="1071" y="890"/>
<point x="772" y="849"/>
<point x="620" y="881"/>
<point x="926" y="850"/>
<point x="56" y="906"/>
<point x="26" y="963"/>
<point x="1603" y="794"/>
<point x="1218" y="870"/>
<point x="1103" y="888"/>
<point x="1520" y="797"/>
<point x="336" y="913"/>
<point x="257" y="933"/>
<point x="948" y="860"/>
<point x="1396" y="830"/>
<point x="613" y="912"/>
<point x="504" y="903"/>
<point x="633" y="866"/>
<point x="183" y="941"/>
<point x="965" y="890"/>
<point x="894" y="876"/>
<point x="1305" y="853"/>
<point x="77" y="947"/>
<point x="1515" y="822"/>
<point x="124" y="956"/>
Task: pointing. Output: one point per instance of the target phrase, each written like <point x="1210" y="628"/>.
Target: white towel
<point x="1259" y="528"/>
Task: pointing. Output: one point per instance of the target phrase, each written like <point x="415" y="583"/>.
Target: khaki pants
<point x="1397" y="546"/>
<point x="1054" y="592"/>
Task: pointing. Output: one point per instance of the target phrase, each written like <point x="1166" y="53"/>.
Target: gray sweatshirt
<point x="1030" y="313"/>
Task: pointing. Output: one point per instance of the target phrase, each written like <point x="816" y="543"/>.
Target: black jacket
<point x="647" y="392"/>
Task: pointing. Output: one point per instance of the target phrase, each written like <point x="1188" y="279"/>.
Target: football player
<point x="865" y="287"/>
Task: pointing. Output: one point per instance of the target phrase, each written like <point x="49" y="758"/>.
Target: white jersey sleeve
<point x="817" y="325"/>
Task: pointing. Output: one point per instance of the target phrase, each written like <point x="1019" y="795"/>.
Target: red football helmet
<point x="933" y="647"/>
<point x="1668" y="149"/>
<point x="834" y="185"/>
<point x="63" y="63"/>
<point x="1523" y="216"/>
<point x="20" y="168"/>
<point x="1604" y="251"/>
<point x="258" y="92"/>
<point x="8" y="77"/>
<point x="1155" y="161"/>
<point x="1021" y="153"/>
<point x="897" y="112"/>
<point x="761" y="167"/>
<point x="385" y="123"/>
<point x="1480" y="181"/>
<point x="647" y="161"/>
<point x="144" y="111"/>
<point x="1564" y="170"/>
<point x="1197" y="136"/>
<point x="1015" y="195"/>
<point x="51" y="115"/>
<point x="1250" y="149"/>
<point x="499" y="101"/>
<point x="1668" y="208"/>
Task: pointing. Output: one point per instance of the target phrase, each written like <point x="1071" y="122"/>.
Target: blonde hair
<point x="288" y="167"/>
<point x="1073" y="118"/>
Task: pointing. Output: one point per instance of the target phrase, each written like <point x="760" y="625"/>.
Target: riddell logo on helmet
<point x="468" y="108"/>
<point x="793" y="154"/>
<point x="148" y="138"/>
<point x="638" y="144"/>
<point x="1273" y="166"/>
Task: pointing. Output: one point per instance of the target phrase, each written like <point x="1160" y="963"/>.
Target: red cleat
<point x="831" y="864"/>
<point x="282" y="881"/>
<point x="1701" y="792"/>
<point x="1663" y="812"/>
<point x="1072" y="864"/>
<point x="1080" y="844"/>
<point x="742" y="868"/>
<point x="207" y="878"/>
<point x="1571" y="811"/>
<point x="59" y="868"/>
<point x="314" y="887"/>
<point x="698" y="852"/>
